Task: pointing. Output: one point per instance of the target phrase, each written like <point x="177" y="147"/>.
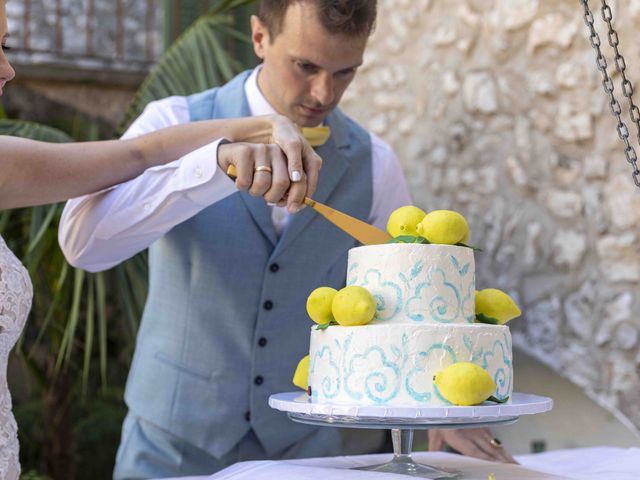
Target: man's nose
<point x="322" y="89"/>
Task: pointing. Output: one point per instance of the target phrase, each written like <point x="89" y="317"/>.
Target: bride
<point x="34" y="173"/>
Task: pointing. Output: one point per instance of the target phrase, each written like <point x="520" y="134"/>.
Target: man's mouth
<point x="315" y="111"/>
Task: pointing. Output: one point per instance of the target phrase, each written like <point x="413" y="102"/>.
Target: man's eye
<point x="307" y="67"/>
<point x="346" y="73"/>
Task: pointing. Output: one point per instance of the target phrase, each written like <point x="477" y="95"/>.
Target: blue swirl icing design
<point x="501" y="376"/>
<point x="441" y="308"/>
<point x="420" y="362"/>
<point x="468" y="343"/>
<point x="330" y="385"/>
<point x="354" y="279"/>
<point x="381" y="383"/>
<point x="417" y="296"/>
<point x="383" y="291"/>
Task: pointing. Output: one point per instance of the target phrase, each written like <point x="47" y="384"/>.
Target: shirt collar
<point x="258" y="104"/>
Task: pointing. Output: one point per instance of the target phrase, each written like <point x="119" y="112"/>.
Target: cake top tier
<point x="416" y="283"/>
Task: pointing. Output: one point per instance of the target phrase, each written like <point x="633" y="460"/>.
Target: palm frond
<point x="198" y="60"/>
<point x="34" y="131"/>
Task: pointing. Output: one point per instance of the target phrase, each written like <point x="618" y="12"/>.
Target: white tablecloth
<point x="602" y="463"/>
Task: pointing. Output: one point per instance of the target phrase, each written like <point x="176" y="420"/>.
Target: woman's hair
<point x="347" y="17"/>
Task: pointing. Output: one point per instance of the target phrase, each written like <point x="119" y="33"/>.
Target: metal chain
<point x="607" y="83"/>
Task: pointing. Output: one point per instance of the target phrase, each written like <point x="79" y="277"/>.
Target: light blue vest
<point x="225" y="323"/>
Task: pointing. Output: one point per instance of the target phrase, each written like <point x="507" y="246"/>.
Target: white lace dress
<point x="16" y="294"/>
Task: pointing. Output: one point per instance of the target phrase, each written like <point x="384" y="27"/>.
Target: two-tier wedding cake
<point x="425" y="320"/>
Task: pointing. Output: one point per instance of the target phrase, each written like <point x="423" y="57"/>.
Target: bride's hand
<point x="302" y="161"/>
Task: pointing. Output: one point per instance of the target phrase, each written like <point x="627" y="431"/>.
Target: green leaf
<point x="64" y="354"/>
<point x="496" y="400"/>
<point x="409" y="239"/>
<point x="475" y="249"/>
<point x="88" y="336"/>
<point x="324" y="326"/>
<point x="101" y="306"/>
<point x="482" y="318"/>
<point x="34" y="131"/>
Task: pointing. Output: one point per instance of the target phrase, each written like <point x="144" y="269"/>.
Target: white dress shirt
<point x="100" y="230"/>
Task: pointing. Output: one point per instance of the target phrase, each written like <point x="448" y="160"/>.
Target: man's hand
<point x="474" y="442"/>
<point x="283" y="170"/>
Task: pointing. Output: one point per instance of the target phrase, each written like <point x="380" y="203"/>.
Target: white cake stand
<point x="402" y="421"/>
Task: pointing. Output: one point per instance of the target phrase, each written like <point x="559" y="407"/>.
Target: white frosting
<point x="395" y="364"/>
<point x="416" y="283"/>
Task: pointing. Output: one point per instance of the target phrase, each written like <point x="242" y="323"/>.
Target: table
<point x="577" y="464"/>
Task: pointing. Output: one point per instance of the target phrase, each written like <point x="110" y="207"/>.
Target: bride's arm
<point x="35" y="173"/>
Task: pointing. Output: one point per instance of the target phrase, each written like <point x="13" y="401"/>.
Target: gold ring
<point x="495" y="443"/>
<point x="263" y="168"/>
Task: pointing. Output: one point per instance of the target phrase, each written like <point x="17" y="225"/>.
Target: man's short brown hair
<point x="348" y="17"/>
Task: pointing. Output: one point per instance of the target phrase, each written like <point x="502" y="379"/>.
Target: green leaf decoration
<point x="497" y="400"/>
<point x="482" y="318"/>
<point x="475" y="249"/>
<point x="408" y="239"/>
<point x="324" y="326"/>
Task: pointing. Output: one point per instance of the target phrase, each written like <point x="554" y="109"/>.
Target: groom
<point x="224" y="324"/>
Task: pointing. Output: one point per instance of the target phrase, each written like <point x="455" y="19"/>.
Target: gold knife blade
<point x="362" y="231"/>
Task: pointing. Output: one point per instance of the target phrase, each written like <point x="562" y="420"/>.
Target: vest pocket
<point x="182" y="367"/>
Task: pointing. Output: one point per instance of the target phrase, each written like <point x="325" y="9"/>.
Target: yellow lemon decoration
<point x="301" y="375"/>
<point x="404" y="220"/>
<point x="319" y="304"/>
<point x="465" y="383"/>
<point x="444" y="226"/>
<point x="496" y="307"/>
<point x="353" y="305"/>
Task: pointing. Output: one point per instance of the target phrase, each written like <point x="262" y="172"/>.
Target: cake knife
<point x="362" y="231"/>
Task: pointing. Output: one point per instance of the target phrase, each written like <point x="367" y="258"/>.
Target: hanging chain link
<point x="607" y="83"/>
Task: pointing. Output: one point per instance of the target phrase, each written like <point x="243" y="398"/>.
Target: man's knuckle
<point x="281" y="183"/>
<point x="243" y="184"/>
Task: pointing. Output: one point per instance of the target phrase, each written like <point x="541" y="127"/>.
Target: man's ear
<point x="259" y="36"/>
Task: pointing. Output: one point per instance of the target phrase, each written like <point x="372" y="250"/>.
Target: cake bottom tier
<point x="395" y="364"/>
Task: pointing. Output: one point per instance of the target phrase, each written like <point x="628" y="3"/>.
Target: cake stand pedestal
<point x="402" y="421"/>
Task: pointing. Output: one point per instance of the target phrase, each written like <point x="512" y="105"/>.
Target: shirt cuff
<point x="201" y="179"/>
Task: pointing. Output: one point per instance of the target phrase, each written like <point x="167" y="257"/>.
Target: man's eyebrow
<point x="309" y="62"/>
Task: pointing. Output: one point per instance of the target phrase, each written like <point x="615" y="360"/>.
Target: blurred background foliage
<point x="68" y="371"/>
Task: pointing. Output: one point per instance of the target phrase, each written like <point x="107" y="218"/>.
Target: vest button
<point x="262" y="342"/>
<point x="268" y="305"/>
<point x="274" y="267"/>
<point x="258" y="380"/>
<point x="247" y="416"/>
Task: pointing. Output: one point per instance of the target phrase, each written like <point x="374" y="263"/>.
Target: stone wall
<point x="118" y="36"/>
<point x="80" y="58"/>
<point x="496" y="109"/>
